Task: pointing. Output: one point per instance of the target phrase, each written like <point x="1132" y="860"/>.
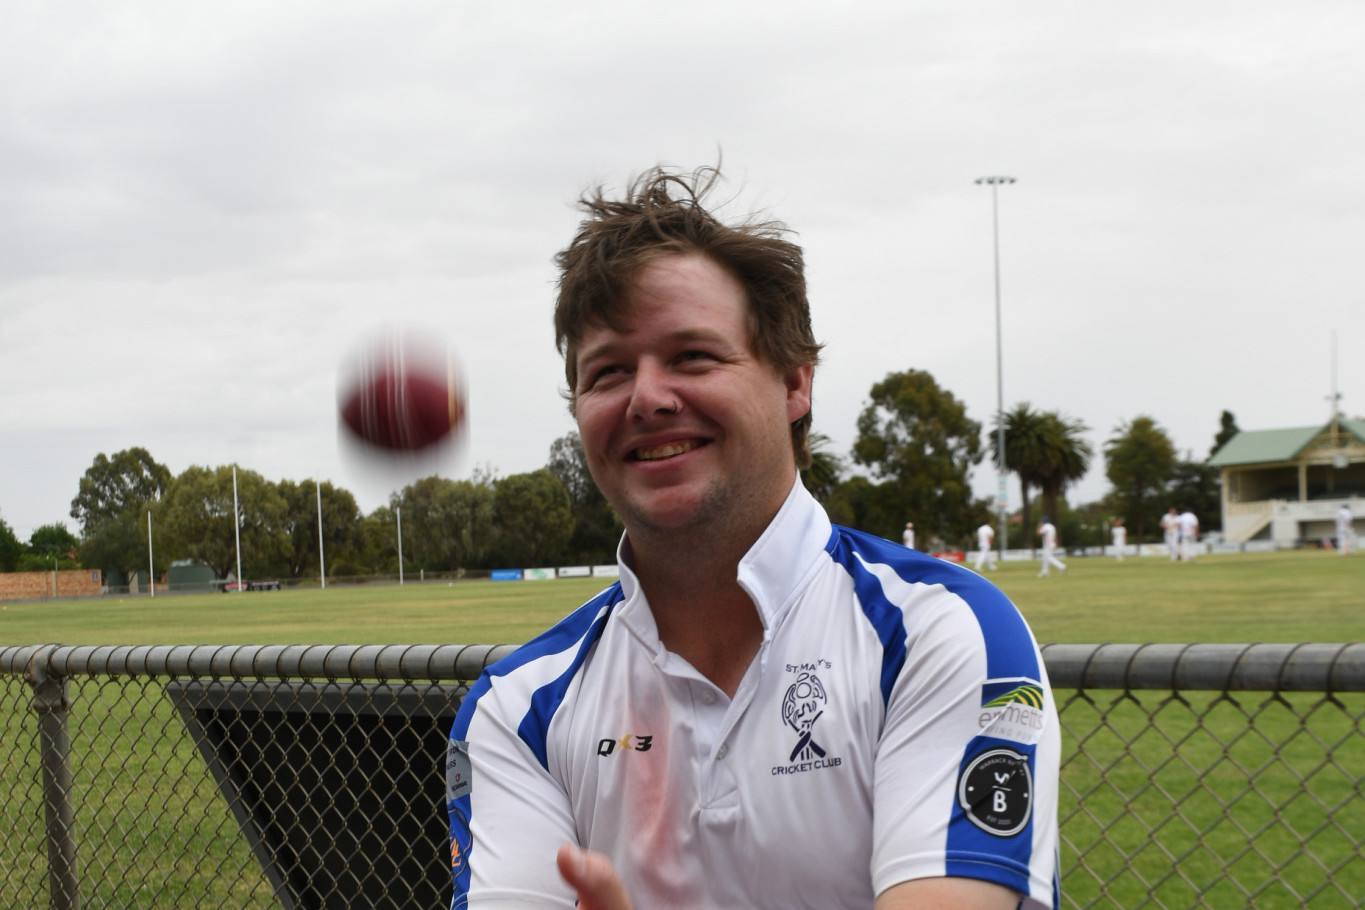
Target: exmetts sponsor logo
<point x="1015" y="714"/>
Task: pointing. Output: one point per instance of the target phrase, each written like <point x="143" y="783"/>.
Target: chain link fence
<point x="1194" y="776"/>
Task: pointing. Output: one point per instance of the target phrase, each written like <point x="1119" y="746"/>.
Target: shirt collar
<point x="773" y="572"/>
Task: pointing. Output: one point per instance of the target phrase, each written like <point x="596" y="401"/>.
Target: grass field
<point x="1292" y="596"/>
<point x="1163" y="793"/>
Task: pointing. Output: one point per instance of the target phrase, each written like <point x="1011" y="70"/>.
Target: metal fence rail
<point x="266" y="776"/>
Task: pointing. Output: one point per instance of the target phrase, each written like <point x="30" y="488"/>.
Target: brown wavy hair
<point x="662" y="214"/>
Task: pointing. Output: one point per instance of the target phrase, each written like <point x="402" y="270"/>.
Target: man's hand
<point x="592" y="876"/>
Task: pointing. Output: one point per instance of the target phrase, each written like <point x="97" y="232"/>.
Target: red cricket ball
<point x="402" y="395"/>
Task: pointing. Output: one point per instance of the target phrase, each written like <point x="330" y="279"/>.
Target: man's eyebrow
<point x="681" y="336"/>
<point x="602" y="348"/>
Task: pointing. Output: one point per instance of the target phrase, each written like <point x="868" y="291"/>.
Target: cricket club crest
<point x="801" y="708"/>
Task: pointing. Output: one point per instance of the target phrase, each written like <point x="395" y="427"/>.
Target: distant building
<point x="190" y="575"/>
<point x="1286" y="485"/>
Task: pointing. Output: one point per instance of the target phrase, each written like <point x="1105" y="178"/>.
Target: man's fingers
<point x="592" y="876"/>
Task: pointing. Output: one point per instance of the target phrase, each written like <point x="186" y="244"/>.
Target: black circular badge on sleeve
<point x="996" y="792"/>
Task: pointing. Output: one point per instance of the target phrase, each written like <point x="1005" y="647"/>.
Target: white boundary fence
<point x="267" y="776"/>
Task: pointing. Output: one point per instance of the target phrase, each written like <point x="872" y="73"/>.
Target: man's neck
<point x="701" y="612"/>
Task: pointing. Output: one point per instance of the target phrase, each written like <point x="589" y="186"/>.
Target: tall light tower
<point x="1001" y="493"/>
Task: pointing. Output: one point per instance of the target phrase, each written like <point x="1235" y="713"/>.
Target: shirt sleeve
<point x="508" y="813"/>
<point x="967" y="764"/>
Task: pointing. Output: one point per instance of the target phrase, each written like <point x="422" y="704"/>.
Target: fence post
<point x="52" y="704"/>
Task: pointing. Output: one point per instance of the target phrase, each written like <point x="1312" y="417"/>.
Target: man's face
<point x="682" y="425"/>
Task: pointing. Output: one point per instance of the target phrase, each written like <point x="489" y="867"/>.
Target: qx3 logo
<point x="631" y="742"/>
<point x="801" y="708"/>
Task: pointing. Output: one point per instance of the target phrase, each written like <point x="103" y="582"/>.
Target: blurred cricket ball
<point x="402" y="394"/>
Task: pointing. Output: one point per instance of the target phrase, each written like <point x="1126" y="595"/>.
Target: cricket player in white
<point x="1120" y="535"/>
<point x="767" y="711"/>
<point x="1170" y="527"/>
<point x="1048" y="532"/>
<point x="1346" y="532"/>
<point x="1189" y="535"/>
<point x="985" y="536"/>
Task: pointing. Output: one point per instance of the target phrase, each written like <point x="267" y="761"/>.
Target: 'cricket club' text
<point x="779" y="770"/>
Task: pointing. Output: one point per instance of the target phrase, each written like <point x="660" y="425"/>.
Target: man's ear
<point x="798" y="392"/>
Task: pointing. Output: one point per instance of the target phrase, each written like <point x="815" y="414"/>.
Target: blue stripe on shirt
<point x="583" y="626"/>
<point x="886" y="618"/>
<point x="1010" y="656"/>
<point x="1009" y="644"/>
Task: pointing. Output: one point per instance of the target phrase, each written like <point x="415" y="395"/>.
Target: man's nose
<point x="652" y="391"/>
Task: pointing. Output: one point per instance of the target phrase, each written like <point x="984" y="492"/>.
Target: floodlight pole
<point x="151" y="568"/>
<point x="398" y="510"/>
<point x="237" y="528"/>
<point x="1001" y="492"/>
<point x="322" y="562"/>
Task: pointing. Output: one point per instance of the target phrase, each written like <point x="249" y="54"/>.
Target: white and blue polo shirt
<point x="896" y="724"/>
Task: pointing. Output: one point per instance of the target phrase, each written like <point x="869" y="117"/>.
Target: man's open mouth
<point x="665" y="451"/>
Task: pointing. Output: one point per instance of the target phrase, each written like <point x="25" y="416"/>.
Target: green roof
<point x="1272" y="446"/>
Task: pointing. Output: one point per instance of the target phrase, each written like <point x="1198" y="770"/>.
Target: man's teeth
<point x="668" y="451"/>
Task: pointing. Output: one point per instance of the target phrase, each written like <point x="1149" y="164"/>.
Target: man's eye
<point x="602" y="373"/>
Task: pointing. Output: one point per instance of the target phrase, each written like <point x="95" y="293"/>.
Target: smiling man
<point x="768" y="710"/>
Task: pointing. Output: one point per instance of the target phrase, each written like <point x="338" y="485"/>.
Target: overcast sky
<point x="205" y="206"/>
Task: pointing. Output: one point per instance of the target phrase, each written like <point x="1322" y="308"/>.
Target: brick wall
<point x="68" y="583"/>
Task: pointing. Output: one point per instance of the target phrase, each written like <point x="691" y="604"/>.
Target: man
<point x="1120" y="535"/>
<point x="908" y="536"/>
<point x="767" y="711"/>
<point x="1188" y="525"/>
<point x="1048" y="532"/>
<point x="1170" y="527"/>
<point x="985" y="536"/>
<point x="1346" y="532"/>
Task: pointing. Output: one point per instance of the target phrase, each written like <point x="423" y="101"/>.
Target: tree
<point x="447" y="524"/>
<point x="858" y="503"/>
<point x="111" y="505"/>
<point x="1066" y="457"/>
<point x="1197" y="487"/>
<point x="1140" y="460"/>
<point x="112" y="486"/>
<point x="53" y="540"/>
<point x="1026" y="448"/>
<point x="195" y="518"/>
<point x="569" y="463"/>
<point x="50" y="546"/>
<point x="918" y="441"/>
<point x="1227" y="428"/>
<point x="821" y="478"/>
<point x="11" y="550"/>
<point x="341" y="525"/>
<point x="119" y="546"/>
<point x="533" y="518"/>
<point x="597" y="528"/>
<point x="1087" y="525"/>
<point x="379" y="555"/>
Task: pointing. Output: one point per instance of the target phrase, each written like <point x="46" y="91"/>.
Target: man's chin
<point x="674" y="510"/>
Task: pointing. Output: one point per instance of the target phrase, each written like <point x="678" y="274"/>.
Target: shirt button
<point x="708" y="697"/>
<point x="722" y="752"/>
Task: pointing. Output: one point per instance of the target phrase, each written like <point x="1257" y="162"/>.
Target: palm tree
<point x="1068" y="457"/>
<point x="822" y="476"/>
<point x="1025" y="453"/>
<point x="1047" y="451"/>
